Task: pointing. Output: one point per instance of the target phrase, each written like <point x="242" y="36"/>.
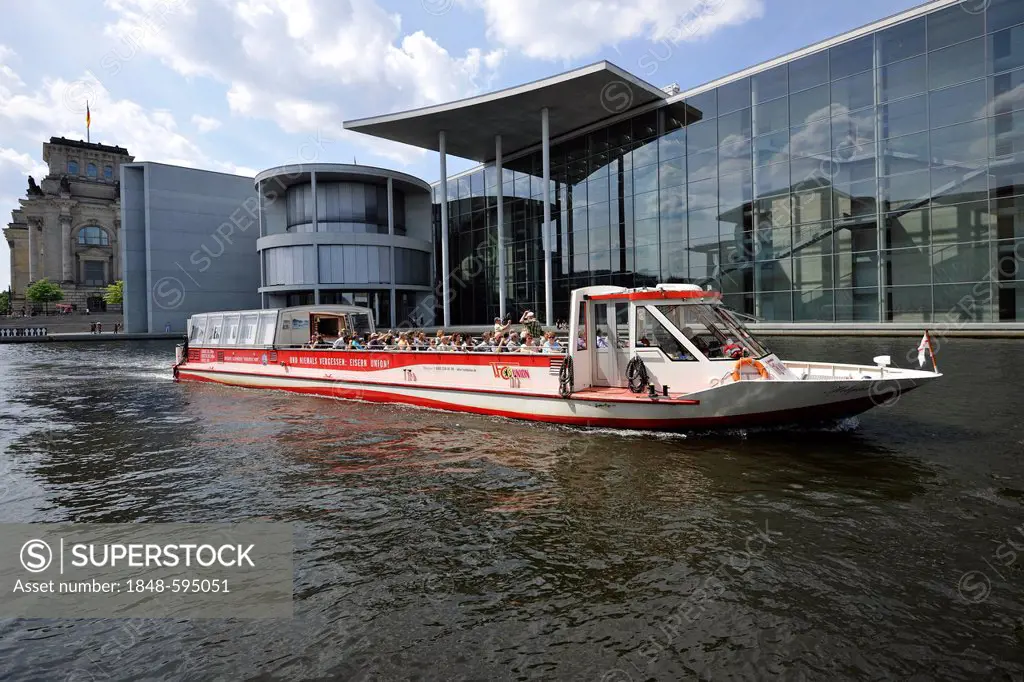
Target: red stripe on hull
<point x="817" y="413"/>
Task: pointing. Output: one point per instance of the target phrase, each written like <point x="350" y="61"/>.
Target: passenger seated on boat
<point x="485" y="342"/>
<point x="355" y="344"/>
<point x="581" y="341"/>
<point x="316" y="339"/>
<point x="420" y="343"/>
<point x="512" y="344"/>
<point x="644" y="341"/>
<point x="459" y="343"/>
<point x="527" y="345"/>
<point x="602" y="340"/>
<point x="339" y="342"/>
<point x="731" y="349"/>
<point x="551" y="344"/>
<point x="403" y="342"/>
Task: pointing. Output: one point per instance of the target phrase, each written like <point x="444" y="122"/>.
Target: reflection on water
<point x="481" y="548"/>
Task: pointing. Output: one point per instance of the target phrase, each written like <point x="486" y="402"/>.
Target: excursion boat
<point x="672" y="357"/>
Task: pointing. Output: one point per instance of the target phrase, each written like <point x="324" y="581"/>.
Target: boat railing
<point x="536" y="350"/>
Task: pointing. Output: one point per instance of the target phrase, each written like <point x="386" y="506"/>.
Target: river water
<point x="442" y="546"/>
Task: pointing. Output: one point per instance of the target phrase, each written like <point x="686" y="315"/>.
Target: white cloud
<point x="205" y="124"/>
<point x="23" y="163"/>
<point x="574" y="29"/>
<point x="57" y="108"/>
<point x="306" y="65"/>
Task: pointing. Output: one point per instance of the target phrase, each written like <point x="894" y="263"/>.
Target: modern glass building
<point x="346" y="234"/>
<point x="875" y="177"/>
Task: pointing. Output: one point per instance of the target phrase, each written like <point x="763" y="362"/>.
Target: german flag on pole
<point x="88" y="120"/>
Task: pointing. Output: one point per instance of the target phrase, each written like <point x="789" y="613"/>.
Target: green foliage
<point x="44" y="291"/>
<point x="115" y="293"/>
<point x="5" y="302"/>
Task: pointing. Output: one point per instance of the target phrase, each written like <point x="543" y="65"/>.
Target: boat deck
<point x="622" y="394"/>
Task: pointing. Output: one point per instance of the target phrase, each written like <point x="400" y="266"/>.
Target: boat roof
<point x="326" y="309"/>
<point x="659" y="292"/>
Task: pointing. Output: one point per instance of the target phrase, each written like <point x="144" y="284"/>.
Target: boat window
<point x="250" y="322"/>
<point x="612" y="320"/>
<point x="213" y="336"/>
<point x="231" y="329"/>
<point x="651" y="333"/>
<point x="581" y="341"/>
<point x="712" y="328"/>
<point x="198" y="324"/>
<point x="329" y="326"/>
<point x="268" y="324"/>
<point x="360" y="323"/>
<point x="622" y="324"/>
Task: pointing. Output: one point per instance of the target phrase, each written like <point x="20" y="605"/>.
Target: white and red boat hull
<point x="525" y="386"/>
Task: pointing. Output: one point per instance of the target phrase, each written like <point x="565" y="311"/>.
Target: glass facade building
<point x="352" y="235"/>
<point x="876" y="178"/>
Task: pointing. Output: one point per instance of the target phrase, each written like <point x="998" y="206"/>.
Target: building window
<point x="93" y="236"/>
<point x="108" y="172"/>
<point x="72" y="167"/>
<point x="93" y="273"/>
<point x="90" y="170"/>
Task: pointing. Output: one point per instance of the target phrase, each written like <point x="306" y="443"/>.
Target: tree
<point x="44" y="291"/>
<point x="115" y="293"/>
<point x="5" y="302"/>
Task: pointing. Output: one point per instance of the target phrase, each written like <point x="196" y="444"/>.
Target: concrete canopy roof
<point x="575" y="99"/>
<point x="283" y="177"/>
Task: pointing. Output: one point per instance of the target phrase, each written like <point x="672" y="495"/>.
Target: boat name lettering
<point x="510" y="372"/>
<point x="345" y="362"/>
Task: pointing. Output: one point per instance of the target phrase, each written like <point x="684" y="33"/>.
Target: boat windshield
<point x="713" y="329"/>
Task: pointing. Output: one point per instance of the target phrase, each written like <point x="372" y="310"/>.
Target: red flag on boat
<point x="926" y="344"/>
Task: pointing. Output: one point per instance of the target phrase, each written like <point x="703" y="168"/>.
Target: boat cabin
<point x="278" y="328"/>
<point x="670" y="327"/>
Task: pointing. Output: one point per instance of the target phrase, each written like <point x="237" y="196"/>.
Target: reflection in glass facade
<point x="880" y="179"/>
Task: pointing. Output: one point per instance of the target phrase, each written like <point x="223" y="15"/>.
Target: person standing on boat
<point x="530" y="324"/>
<point x="501" y="327"/>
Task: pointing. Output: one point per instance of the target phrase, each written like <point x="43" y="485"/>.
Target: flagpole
<point x="931" y="351"/>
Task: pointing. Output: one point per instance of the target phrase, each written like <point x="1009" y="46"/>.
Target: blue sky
<point x="241" y="85"/>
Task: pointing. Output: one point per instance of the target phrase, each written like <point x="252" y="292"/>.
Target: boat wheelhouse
<point x="669" y="357"/>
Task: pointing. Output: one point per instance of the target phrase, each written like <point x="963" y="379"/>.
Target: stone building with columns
<point x="68" y="226"/>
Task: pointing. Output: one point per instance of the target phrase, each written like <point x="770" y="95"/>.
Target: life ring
<point x="756" y="364"/>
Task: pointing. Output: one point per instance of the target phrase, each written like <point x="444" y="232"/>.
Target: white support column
<point x="259" y="203"/>
<point x="502" y="275"/>
<point x="545" y="142"/>
<point x="263" y="278"/>
<point x="444" y="229"/>
<point x="391" y="233"/>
